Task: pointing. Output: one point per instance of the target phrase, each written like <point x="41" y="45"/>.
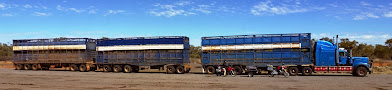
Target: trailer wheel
<point x="306" y="71"/>
<point x="107" y="68"/>
<point x="82" y="68"/>
<point x="210" y="70"/>
<point x="73" y="67"/>
<point x="170" y="69"/>
<point x="34" y="67"/>
<point x="117" y="68"/>
<point x="19" y="66"/>
<point x="293" y="71"/>
<point x="361" y="71"/>
<point x="238" y="70"/>
<point x="180" y="70"/>
<point x="27" y="67"/>
<point x="127" y="69"/>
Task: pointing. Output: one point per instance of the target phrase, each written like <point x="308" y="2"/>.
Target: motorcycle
<point x="225" y="71"/>
<point x="280" y="70"/>
<point x="251" y="70"/>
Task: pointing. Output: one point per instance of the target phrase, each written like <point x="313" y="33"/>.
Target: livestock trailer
<point x="256" y="50"/>
<point x="169" y="53"/>
<point x="35" y="54"/>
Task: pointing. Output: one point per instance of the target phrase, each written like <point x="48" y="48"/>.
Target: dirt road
<point x="20" y="79"/>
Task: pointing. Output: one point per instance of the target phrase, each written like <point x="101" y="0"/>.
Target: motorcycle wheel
<point x="286" y="74"/>
<point x="250" y="74"/>
<point x="232" y="73"/>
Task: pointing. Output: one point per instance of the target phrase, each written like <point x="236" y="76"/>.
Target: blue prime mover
<point x="133" y="54"/>
<point x="293" y="50"/>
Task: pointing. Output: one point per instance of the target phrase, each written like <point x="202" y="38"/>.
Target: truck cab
<point x="330" y="58"/>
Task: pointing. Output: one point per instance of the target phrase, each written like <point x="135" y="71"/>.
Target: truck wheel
<point x="170" y="69"/>
<point x="127" y="69"/>
<point x="361" y="71"/>
<point x="210" y="70"/>
<point x="293" y="71"/>
<point x="180" y="70"/>
<point x="34" y="67"/>
<point x="73" y="67"/>
<point x="19" y="67"/>
<point x="27" y="67"/>
<point x="107" y="68"/>
<point x="117" y="68"/>
<point x="238" y="70"/>
<point x="82" y="68"/>
<point x="306" y="71"/>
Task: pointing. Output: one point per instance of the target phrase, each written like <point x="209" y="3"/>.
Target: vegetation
<point x="5" y="52"/>
<point x="195" y="52"/>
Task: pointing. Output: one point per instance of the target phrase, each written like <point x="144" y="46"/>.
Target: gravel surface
<point x="22" y="79"/>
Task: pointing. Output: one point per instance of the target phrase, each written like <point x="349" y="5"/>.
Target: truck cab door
<point x="343" y="59"/>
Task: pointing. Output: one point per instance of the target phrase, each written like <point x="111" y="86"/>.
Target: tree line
<point x="5" y="52"/>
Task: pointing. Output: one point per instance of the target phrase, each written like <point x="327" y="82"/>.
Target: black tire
<point x="361" y="71"/>
<point x="210" y="70"/>
<point x="293" y="71"/>
<point x="170" y="70"/>
<point x="82" y="68"/>
<point x="73" y="67"/>
<point x="19" y="67"/>
<point x="117" y="68"/>
<point x="127" y="69"/>
<point x="34" y="67"/>
<point x="27" y="67"/>
<point x="306" y="71"/>
<point x="238" y="70"/>
<point x="180" y="70"/>
<point x="107" y="68"/>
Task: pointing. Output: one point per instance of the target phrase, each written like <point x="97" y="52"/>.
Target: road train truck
<point x="295" y="51"/>
<point x="170" y="53"/>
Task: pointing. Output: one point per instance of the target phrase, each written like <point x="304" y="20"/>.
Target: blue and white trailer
<point x="169" y="53"/>
<point x="72" y="53"/>
<point x="294" y="50"/>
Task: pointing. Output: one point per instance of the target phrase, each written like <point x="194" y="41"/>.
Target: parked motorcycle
<point x="225" y="71"/>
<point x="280" y="70"/>
<point x="251" y="70"/>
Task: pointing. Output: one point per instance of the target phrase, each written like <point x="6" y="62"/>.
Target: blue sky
<point x="368" y="21"/>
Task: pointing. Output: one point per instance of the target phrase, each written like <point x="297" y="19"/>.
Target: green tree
<point x="327" y="39"/>
<point x="5" y="52"/>
<point x="104" y="38"/>
<point x="347" y="44"/>
<point x="389" y="43"/>
<point x="195" y="52"/>
<point x="363" y="49"/>
<point x="382" y="51"/>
